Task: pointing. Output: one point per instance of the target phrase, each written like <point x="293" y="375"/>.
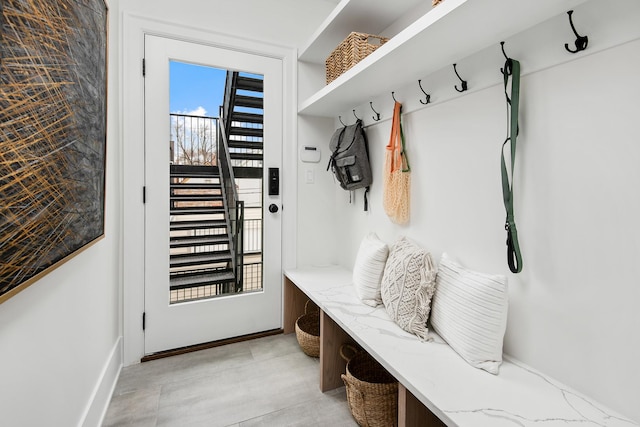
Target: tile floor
<point x="263" y="382"/>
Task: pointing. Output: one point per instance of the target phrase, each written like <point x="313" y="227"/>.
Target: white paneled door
<point x="172" y="323"/>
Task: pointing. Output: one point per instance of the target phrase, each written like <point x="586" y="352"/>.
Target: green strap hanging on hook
<point x="511" y="68"/>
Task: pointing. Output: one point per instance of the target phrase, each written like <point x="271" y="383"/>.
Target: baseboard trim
<point x="212" y="344"/>
<point x="103" y="390"/>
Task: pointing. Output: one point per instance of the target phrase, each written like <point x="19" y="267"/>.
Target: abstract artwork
<point x="53" y="56"/>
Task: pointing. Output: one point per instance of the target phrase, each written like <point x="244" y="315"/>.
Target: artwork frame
<point x="53" y="122"/>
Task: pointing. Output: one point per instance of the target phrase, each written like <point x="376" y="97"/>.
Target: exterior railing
<point x="193" y="140"/>
<point x="252" y="276"/>
<point x="238" y="245"/>
<point x="253" y="230"/>
<point x="253" y="248"/>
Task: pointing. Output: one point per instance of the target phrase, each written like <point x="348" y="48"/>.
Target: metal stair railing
<point x="233" y="205"/>
<point x="229" y="100"/>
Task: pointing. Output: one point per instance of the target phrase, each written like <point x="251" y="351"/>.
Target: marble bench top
<point x="459" y="394"/>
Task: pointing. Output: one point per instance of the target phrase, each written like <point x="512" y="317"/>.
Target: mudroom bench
<point x="436" y="386"/>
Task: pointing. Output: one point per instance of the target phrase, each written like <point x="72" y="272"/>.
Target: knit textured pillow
<point x="470" y="313"/>
<point x="408" y="283"/>
<point x="368" y="269"/>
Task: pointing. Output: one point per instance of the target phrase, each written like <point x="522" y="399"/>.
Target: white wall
<point x="316" y="237"/>
<point x="573" y="309"/>
<point x="59" y="338"/>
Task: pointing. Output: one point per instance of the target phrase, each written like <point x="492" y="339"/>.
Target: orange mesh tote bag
<point x="397" y="173"/>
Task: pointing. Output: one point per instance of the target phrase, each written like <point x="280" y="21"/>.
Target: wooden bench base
<point x="411" y="412"/>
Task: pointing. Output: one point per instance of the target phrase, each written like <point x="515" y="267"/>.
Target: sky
<point x="195" y="90"/>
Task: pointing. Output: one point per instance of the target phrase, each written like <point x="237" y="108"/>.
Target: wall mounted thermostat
<point x="309" y="154"/>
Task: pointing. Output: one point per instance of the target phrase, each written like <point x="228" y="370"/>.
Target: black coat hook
<point x="581" y="41"/>
<point x="428" y="100"/>
<point x="393" y="95"/>
<point x="464" y="84"/>
<point x="508" y="65"/>
<point x="354" y="114"/>
<point x="376" y="118"/>
<point x="340" y="118"/>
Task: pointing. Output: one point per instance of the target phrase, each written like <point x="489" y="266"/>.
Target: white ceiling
<point x="282" y="22"/>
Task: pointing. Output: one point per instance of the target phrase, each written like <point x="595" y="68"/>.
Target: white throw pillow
<point x="408" y="284"/>
<point x="470" y="313"/>
<point x="368" y="269"/>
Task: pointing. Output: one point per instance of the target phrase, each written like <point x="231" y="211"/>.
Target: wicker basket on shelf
<point x="372" y="392"/>
<point x="308" y="331"/>
<point x="350" y="51"/>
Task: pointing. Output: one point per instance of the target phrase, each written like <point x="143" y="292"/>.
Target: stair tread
<point x="254" y="145"/>
<point x="245" y="156"/>
<point x="249" y="83"/>
<point x="197" y="211"/>
<point x="242" y="131"/>
<point x="217" y="236"/>
<point x="248" y="172"/>
<point x="191" y="225"/>
<point x="202" y="255"/>
<point x="203" y="279"/>
<point x="195" y="197"/>
<point x="196" y="170"/>
<point x="199" y="240"/>
<point x="195" y="185"/>
<point x="192" y="175"/>
<point x="200" y="258"/>
<point x="242" y="117"/>
<point x="249" y="101"/>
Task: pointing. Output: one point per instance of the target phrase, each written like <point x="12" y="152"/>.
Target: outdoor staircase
<point x="206" y="213"/>
<point x="244" y="120"/>
<point x="200" y="245"/>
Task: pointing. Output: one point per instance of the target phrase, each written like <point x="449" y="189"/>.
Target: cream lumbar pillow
<point x="470" y="313"/>
<point x="368" y="269"/>
<point x="408" y="284"/>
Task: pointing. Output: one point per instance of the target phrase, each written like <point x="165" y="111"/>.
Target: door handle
<point x="273" y="208"/>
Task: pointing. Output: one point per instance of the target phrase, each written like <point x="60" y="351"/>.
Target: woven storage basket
<point x="308" y="331"/>
<point x="372" y="392"/>
<point x="350" y="51"/>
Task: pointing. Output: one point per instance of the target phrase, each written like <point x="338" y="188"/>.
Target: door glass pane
<point x="215" y="160"/>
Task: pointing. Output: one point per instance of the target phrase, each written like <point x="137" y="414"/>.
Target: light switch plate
<point x="309" y="176"/>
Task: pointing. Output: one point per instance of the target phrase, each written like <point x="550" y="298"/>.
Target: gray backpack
<point x="349" y="159"/>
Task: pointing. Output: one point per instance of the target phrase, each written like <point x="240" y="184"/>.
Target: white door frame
<point x="132" y="157"/>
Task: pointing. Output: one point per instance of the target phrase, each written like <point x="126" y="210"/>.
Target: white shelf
<point x="364" y="16"/>
<point x="448" y="33"/>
